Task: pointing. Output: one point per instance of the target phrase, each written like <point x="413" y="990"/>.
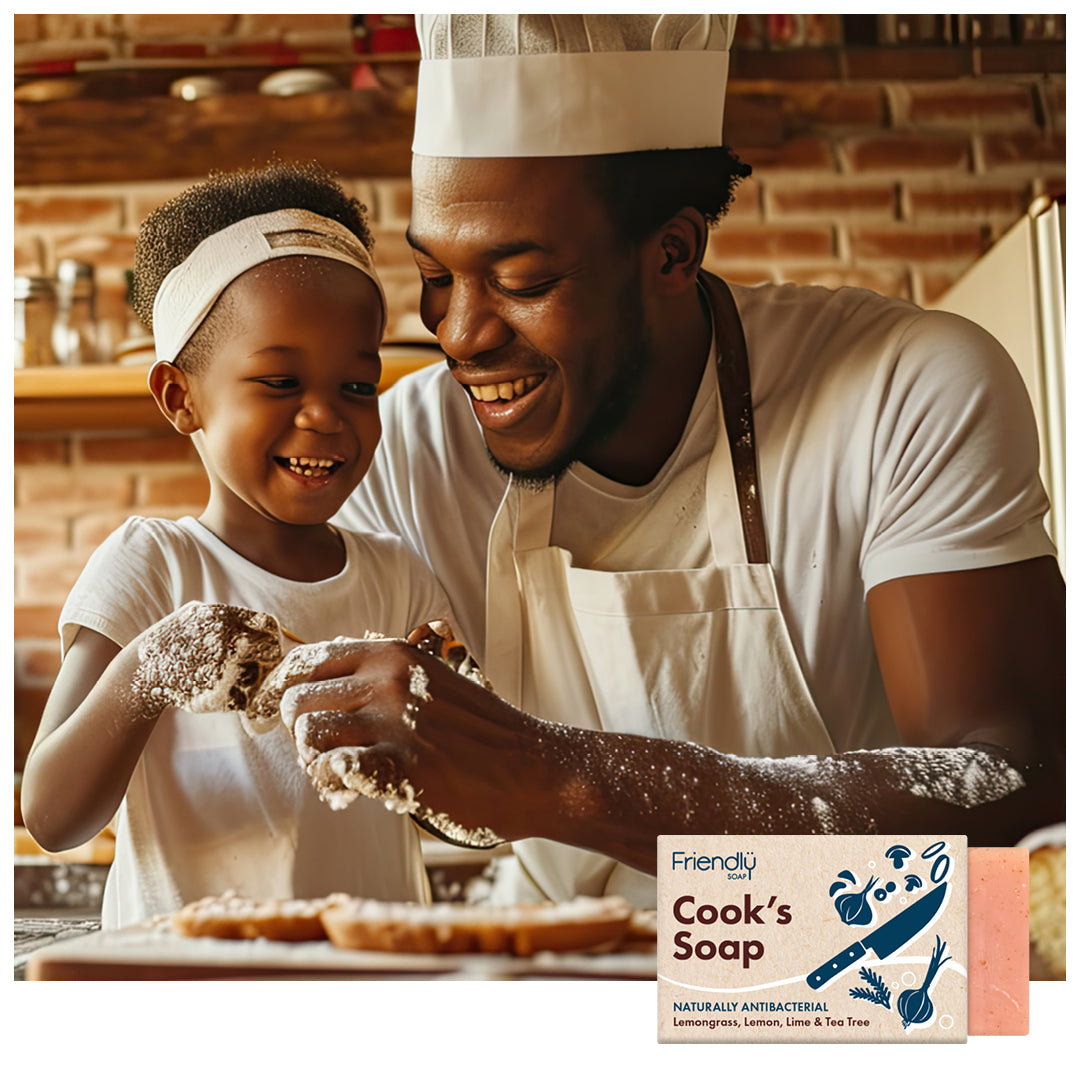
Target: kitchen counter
<point x="154" y="951"/>
<point x="37" y="927"/>
<point x="54" y="901"/>
<point x="58" y="901"/>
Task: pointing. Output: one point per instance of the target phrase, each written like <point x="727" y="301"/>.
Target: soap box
<point x="812" y="938"/>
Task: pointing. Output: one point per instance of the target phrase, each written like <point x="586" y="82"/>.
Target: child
<point x="267" y="317"/>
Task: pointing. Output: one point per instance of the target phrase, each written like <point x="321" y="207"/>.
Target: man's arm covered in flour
<point x="973" y="662"/>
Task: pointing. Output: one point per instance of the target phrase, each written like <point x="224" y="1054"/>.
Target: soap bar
<point x="998" y="948"/>
<point x="819" y="938"/>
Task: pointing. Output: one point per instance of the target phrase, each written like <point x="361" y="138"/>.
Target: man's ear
<point x="172" y="392"/>
<point x="677" y="250"/>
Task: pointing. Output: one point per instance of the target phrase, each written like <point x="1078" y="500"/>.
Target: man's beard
<point x="619" y="396"/>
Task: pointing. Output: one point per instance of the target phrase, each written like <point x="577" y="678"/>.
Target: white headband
<point x="190" y="290"/>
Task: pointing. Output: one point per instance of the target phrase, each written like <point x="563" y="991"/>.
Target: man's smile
<point x="505" y="403"/>
<point x="504" y="391"/>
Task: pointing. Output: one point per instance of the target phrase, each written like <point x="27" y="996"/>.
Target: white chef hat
<point x="561" y="85"/>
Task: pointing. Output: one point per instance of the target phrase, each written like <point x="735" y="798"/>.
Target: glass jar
<point x="35" y="313"/>
<point x="75" y="331"/>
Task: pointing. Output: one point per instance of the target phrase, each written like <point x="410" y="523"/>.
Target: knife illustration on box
<point x="886" y="939"/>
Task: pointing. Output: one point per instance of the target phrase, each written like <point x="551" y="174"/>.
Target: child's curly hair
<point x="172" y="231"/>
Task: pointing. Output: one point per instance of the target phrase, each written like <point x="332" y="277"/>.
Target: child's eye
<point x="283" y="382"/>
<point x="363" y="389"/>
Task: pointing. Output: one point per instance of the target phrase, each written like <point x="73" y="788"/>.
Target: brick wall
<point x="71" y="491"/>
<point x="893" y="184"/>
<point x="97" y="223"/>
<point x="897" y="186"/>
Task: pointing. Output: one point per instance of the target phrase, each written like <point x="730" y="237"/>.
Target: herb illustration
<point x="879" y="995"/>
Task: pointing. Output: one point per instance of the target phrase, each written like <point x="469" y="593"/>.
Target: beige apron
<point x="698" y="655"/>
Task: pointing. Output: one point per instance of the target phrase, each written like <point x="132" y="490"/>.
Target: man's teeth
<point x="310" y="466"/>
<point x="505" y="391"/>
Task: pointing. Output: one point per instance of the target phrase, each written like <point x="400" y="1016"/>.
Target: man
<point x="768" y="560"/>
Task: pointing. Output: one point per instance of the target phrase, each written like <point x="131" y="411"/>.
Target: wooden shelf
<point x="112" y="397"/>
<point x="136" y="132"/>
<point x="356" y="133"/>
<point x="84" y="398"/>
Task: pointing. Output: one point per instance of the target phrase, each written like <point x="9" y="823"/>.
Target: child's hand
<point x="206" y="658"/>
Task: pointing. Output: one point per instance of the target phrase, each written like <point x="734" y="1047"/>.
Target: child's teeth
<point x="310" y="466"/>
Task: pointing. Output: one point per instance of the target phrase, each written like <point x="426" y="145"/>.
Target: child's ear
<point x="172" y="392"/>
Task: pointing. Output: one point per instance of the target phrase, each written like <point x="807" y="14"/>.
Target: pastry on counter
<point x="581" y="924"/>
<point x="234" y="917"/>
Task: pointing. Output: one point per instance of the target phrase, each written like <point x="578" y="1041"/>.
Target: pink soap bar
<point x="998" y="948"/>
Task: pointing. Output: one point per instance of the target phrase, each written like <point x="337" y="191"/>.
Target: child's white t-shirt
<point x="210" y="808"/>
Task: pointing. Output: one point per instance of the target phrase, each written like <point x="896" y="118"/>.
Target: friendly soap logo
<point x="738" y="867"/>
<point x="864" y="905"/>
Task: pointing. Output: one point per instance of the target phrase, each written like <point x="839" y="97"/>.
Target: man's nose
<point x="470" y="325"/>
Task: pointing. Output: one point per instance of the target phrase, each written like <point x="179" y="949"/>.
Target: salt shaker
<point x="35" y="314"/>
<point x="75" y="331"/>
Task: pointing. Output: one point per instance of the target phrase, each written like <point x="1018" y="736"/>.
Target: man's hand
<point x="415" y="728"/>
<point x="263" y="710"/>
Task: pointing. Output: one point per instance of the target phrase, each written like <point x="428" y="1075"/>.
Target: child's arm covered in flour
<point x="107" y="700"/>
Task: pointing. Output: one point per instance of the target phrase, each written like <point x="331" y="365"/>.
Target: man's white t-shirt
<point x="210" y="808"/>
<point x="891" y="441"/>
